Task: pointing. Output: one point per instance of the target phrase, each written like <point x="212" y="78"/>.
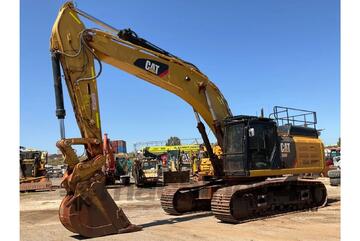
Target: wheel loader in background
<point x="176" y="161"/>
<point x="146" y="172"/>
<point x="254" y="177"/>
<point x="179" y="168"/>
<point x="150" y="168"/>
<point x="32" y="170"/>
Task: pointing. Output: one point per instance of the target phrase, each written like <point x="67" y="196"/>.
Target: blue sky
<point x="260" y="53"/>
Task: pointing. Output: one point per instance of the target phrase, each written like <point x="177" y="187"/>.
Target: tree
<point x="339" y="141"/>
<point x="173" y="141"/>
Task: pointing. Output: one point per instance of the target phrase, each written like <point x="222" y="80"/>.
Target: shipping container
<point x="121" y="143"/>
<point x="122" y="146"/>
<point x="121" y="149"/>
<point x="114" y="145"/>
<point x="119" y="146"/>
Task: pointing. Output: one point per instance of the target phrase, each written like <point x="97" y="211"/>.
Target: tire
<point x="334" y="174"/>
<point x="335" y="181"/>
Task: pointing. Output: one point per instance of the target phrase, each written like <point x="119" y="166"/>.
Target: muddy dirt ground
<point x="39" y="220"/>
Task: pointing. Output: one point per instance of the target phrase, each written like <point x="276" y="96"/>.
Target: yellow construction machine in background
<point x="202" y="164"/>
<point x="32" y="170"/>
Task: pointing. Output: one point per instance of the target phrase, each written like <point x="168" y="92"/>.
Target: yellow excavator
<point x="255" y="175"/>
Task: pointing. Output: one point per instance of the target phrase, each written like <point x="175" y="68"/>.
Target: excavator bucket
<point x="94" y="213"/>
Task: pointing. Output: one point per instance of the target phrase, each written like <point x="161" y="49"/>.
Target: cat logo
<point x="285" y="147"/>
<point x="152" y="66"/>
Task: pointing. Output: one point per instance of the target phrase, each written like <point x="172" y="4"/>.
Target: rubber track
<point x="221" y="201"/>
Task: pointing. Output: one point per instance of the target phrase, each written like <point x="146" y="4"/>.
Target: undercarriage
<point x="234" y="203"/>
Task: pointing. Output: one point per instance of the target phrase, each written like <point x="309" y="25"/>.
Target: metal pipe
<point x="62" y="128"/>
<point x="95" y="20"/>
<point x="196" y="116"/>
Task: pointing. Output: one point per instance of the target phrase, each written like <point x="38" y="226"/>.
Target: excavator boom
<point x="88" y="209"/>
<point x="78" y="47"/>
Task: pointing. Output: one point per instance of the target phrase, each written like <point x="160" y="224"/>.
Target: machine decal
<point x="285" y="147"/>
<point x="152" y="66"/>
<point x="288" y="152"/>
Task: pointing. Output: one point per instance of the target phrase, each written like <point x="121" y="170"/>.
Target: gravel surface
<point x="39" y="220"/>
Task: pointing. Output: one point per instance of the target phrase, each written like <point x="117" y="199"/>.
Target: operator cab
<point x="250" y="143"/>
<point x="258" y="143"/>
